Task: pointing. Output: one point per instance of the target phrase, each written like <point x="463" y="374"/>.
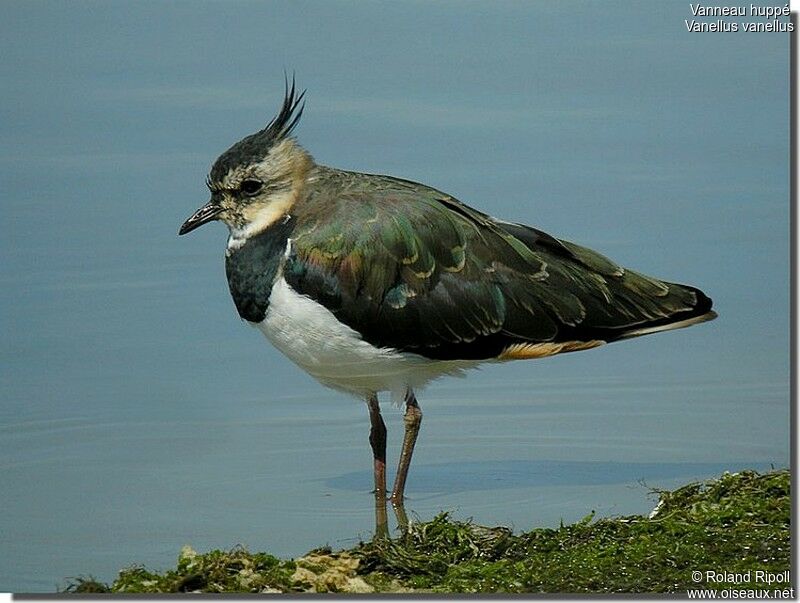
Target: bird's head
<point x="255" y="182"/>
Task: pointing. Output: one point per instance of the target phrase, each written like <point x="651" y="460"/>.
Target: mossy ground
<point x="737" y="523"/>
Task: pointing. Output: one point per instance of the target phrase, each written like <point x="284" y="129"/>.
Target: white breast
<point x="311" y="336"/>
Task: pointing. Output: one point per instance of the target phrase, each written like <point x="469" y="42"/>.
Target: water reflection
<point x="501" y="474"/>
<point x="382" y="517"/>
<point x="495" y="474"/>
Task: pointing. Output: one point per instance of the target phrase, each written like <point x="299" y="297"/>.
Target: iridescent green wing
<point x="412" y="269"/>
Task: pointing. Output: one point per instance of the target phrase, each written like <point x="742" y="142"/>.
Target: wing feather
<point x="415" y="270"/>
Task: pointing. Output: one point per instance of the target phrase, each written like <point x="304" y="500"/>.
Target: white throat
<point x="275" y="211"/>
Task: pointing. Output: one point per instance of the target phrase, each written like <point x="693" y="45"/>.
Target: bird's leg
<point x="412" y="420"/>
<point x="377" y="439"/>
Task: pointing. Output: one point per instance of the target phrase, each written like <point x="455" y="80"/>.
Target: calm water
<point x="138" y="414"/>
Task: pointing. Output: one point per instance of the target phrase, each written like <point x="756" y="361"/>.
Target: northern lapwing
<point x="372" y="283"/>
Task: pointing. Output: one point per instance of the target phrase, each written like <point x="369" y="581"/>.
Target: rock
<point x="335" y="572"/>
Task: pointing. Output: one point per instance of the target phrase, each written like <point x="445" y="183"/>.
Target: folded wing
<point x="413" y="269"/>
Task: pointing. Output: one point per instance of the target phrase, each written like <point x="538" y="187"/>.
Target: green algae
<point x="737" y="523"/>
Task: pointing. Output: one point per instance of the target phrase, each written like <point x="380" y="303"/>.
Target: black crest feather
<point x="256" y="146"/>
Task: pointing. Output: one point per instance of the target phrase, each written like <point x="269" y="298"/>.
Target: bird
<point x="375" y="284"/>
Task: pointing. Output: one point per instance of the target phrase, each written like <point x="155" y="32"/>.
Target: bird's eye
<point x="251" y="187"/>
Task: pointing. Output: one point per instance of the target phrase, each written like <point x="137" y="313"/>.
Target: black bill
<point x="205" y="214"/>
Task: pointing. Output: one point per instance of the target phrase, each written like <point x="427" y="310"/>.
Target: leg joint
<point x="413" y="415"/>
